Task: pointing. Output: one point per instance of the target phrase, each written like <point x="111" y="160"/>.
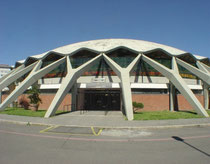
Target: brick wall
<point x="151" y="102"/>
<point x="161" y="101"/>
<point x="46" y="101"/>
<point x="184" y="105"/>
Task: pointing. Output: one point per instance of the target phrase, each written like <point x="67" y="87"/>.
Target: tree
<point x="34" y="97"/>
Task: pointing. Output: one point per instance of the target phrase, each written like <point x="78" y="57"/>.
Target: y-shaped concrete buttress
<point x="205" y="86"/>
<point x="124" y="75"/>
<point x="11" y="73"/>
<point x="172" y="89"/>
<point x="197" y="72"/>
<point x="16" y="75"/>
<point x="68" y="82"/>
<point x="179" y="83"/>
<point x="35" y="75"/>
<point x="207" y="67"/>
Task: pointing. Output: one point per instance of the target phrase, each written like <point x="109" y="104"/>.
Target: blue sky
<point x="30" y="27"/>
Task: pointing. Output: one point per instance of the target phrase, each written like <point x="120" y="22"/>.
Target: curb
<point x="109" y="127"/>
<point x="25" y="123"/>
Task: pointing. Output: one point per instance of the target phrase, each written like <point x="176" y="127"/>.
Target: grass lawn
<point x="154" y="115"/>
<point x="165" y="115"/>
<point x="27" y="112"/>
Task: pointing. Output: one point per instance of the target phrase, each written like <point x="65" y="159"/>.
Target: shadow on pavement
<point x="182" y="140"/>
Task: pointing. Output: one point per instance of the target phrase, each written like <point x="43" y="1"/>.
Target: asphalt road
<point x="41" y="144"/>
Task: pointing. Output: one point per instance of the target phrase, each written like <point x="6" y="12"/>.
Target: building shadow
<point x="193" y="147"/>
<point x="146" y="70"/>
<point x="61" y="113"/>
<point x="176" y="103"/>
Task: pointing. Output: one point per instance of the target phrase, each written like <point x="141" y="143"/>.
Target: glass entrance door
<point x="102" y="100"/>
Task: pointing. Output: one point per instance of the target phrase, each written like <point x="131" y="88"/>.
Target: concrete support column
<point x="68" y="82"/>
<point x="0" y="97"/>
<point x="179" y="83"/>
<point x="66" y="85"/>
<point x="11" y="73"/>
<point x="34" y="76"/>
<point x="172" y="88"/>
<point x="172" y="97"/>
<point x="205" y="68"/>
<point x="200" y="73"/>
<point x="127" y="96"/>
<point x="15" y="75"/>
<point x="74" y="97"/>
<point x="124" y="75"/>
<point x="206" y="95"/>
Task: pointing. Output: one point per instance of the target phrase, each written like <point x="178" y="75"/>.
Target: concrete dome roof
<point x="105" y="45"/>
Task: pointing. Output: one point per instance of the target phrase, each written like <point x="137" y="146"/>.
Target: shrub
<point x="138" y="105"/>
<point x="34" y="94"/>
<point x="24" y="103"/>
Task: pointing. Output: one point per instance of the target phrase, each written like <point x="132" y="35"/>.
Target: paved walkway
<point x="103" y="119"/>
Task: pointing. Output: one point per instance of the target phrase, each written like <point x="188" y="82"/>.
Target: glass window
<point x="60" y="71"/>
<point x="149" y="91"/>
<point x="100" y="69"/>
<point x="122" y="56"/>
<point x="81" y="57"/>
<point x="185" y="73"/>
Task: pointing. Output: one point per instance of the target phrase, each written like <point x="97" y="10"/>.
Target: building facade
<point x="110" y="74"/>
<point x="4" y="69"/>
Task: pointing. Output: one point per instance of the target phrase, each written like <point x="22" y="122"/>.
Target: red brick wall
<point x="184" y="105"/>
<point x="46" y="101"/>
<point x="48" y="98"/>
<point x="4" y="96"/>
<point x="151" y="102"/>
<point x="161" y="101"/>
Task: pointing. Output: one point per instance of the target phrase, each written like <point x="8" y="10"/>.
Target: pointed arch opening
<point x="30" y="61"/>
<point x="82" y="57"/>
<point x="59" y="71"/>
<point x="161" y="57"/>
<point x="122" y="56"/>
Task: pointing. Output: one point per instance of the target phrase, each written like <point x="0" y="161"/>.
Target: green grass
<point x="165" y="115"/>
<point x="27" y="112"/>
<point x="154" y="115"/>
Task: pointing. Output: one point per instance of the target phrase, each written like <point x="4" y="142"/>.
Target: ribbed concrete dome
<point x="122" y="56"/>
<point x="105" y="45"/>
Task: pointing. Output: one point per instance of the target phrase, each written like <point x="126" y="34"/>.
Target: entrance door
<point x="101" y="100"/>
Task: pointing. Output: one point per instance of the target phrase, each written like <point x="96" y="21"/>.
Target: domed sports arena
<point x="112" y="74"/>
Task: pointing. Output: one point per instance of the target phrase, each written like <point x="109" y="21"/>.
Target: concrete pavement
<point x="108" y="119"/>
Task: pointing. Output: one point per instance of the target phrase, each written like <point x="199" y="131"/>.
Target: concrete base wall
<point x="152" y="102"/>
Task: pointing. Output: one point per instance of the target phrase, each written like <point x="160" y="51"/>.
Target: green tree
<point x="34" y="96"/>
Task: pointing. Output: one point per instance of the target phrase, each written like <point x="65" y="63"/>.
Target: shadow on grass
<point x="138" y="112"/>
<point x="183" y="111"/>
<point x="187" y="111"/>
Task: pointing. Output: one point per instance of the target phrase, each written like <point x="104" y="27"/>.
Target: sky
<point x="32" y="27"/>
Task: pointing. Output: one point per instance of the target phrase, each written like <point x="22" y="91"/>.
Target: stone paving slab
<point x="71" y="130"/>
